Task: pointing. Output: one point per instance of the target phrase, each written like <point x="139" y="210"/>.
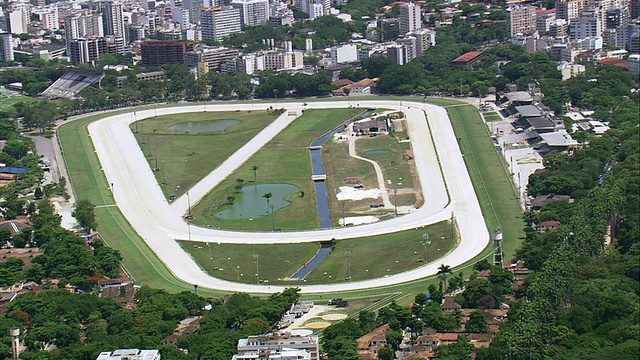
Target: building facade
<point x="219" y="22"/>
<point x="409" y="19"/>
<point x="252" y="12"/>
<point x="521" y="19"/>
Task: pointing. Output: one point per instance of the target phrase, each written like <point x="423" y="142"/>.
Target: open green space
<point x="371" y="257"/>
<point x="284" y="160"/>
<point x="80" y="159"/>
<point x="492" y="116"/>
<point x="181" y="158"/>
<point x="493" y="185"/>
<point x="7" y="102"/>
<point x="394" y="167"/>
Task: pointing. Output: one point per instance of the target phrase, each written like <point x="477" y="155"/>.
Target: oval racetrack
<point x="443" y="177"/>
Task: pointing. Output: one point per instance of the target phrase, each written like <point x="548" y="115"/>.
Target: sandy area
<point x="351" y="193"/>
<point x="358" y="220"/>
<point x="318" y="325"/>
<point x="334" y="317"/>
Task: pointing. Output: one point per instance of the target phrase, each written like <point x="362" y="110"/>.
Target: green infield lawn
<point x="7" y="102"/>
<point x="284" y="160"/>
<point x="371" y="257"/>
<point x="182" y="159"/>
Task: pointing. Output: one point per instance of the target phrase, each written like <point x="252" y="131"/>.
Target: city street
<point x="443" y="177"/>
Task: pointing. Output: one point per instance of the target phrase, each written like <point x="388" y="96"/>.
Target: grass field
<point x="7" y="102"/>
<point x="394" y="168"/>
<point x="82" y="164"/>
<point x="371" y="257"/>
<point x="492" y="116"/>
<point x="286" y="160"/>
<point x="184" y="159"/>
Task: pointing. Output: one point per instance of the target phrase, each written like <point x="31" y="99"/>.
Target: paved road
<point x="44" y="147"/>
<point x="141" y="200"/>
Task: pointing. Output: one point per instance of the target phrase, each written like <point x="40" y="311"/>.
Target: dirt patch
<point x="351" y="180"/>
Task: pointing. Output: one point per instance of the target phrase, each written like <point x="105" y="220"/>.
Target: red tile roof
<point x="614" y="62"/>
<point x="468" y="56"/>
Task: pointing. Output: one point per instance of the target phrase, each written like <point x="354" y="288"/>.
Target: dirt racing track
<point x="443" y="177"/>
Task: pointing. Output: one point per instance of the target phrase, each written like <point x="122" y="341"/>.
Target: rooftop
<point x="558" y="139"/>
<point x="468" y="56"/>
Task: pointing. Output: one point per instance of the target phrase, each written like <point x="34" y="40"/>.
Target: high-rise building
<point x="113" y="19"/>
<point x="569" y="9"/>
<point x="252" y="12"/>
<point x="521" y="19"/>
<point x="86" y="50"/>
<point x="159" y="52"/>
<point x="587" y="25"/>
<point x="425" y="39"/>
<point x="219" y="22"/>
<point x="194" y="7"/>
<point x="409" y="19"/>
<point x="50" y="20"/>
<point x="17" y="21"/>
<point x="6" y="47"/>
<point x="82" y="26"/>
<point x="397" y="53"/>
<point x="388" y="29"/>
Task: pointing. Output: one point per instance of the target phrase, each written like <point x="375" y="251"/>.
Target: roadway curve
<point x="446" y="186"/>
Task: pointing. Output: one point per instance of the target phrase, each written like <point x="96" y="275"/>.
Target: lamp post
<point x="257" y="258"/>
<point x="164" y="181"/>
<point x="347" y="253"/>
<point x="275" y="93"/>
<point x="425" y="241"/>
<point x="155" y="158"/>
<point x="189" y="216"/>
<point x="273" y="220"/>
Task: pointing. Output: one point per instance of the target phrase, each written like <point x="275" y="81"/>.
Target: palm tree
<point x="443" y="270"/>
<point x="254" y="169"/>
<point x="267" y="196"/>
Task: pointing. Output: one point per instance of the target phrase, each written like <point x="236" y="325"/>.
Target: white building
<point x="281" y="342"/>
<point x="50" y="20"/>
<point x="570" y="70"/>
<point x="252" y="12"/>
<point x="18" y="22"/>
<point x="6" y="47"/>
<point x="129" y="354"/>
<point x="284" y="60"/>
<point x="425" y="39"/>
<point x="344" y="54"/>
<point x="219" y="22"/>
<point x="409" y="19"/>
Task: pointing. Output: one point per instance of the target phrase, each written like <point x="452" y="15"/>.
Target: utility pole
<point x="348" y="254"/>
<point x="189" y="216"/>
<point x="155" y="158"/>
<point x="395" y="201"/>
<point x="273" y="220"/>
<point x="164" y="181"/>
<point x="257" y="257"/>
<point x="425" y="241"/>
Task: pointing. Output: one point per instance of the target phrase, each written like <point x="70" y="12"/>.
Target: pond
<point x="204" y="126"/>
<point x="375" y="152"/>
<point x="252" y="204"/>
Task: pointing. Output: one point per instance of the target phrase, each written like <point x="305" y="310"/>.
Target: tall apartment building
<point x="6" y="47"/>
<point x="569" y="9"/>
<point x="398" y="53"/>
<point x="587" y="25"/>
<point x="113" y="19"/>
<point x="344" y="54"/>
<point x="544" y="19"/>
<point x="17" y="21"/>
<point x="252" y="12"/>
<point x="160" y="52"/>
<point x="213" y="56"/>
<point x="194" y="7"/>
<point x="86" y="50"/>
<point x="82" y="26"/>
<point x="409" y="18"/>
<point x="388" y="29"/>
<point x="219" y="22"/>
<point x="425" y="39"/>
<point x="521" y="19"/>
<point x="50" y="20"/>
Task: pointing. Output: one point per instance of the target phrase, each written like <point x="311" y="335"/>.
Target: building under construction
<point x="161" y="52"/>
